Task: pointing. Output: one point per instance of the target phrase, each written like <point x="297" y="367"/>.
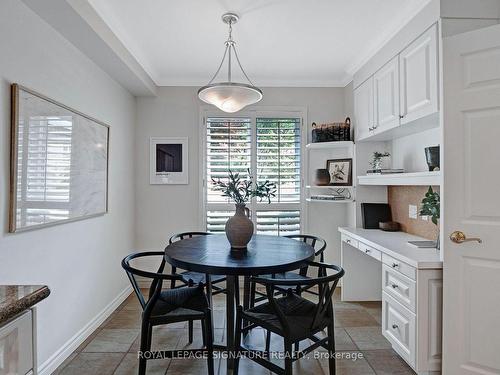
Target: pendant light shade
<point x="230" y="96"/>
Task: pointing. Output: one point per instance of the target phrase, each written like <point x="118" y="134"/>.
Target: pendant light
<point x="230" y="96"/>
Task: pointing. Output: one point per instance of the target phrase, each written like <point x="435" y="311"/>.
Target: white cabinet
<point x="419" y="77"/>
<point x="405" y="89"/>
<point x="386" y="96"/>
<point x="363" y="110"/>
<point x="16" y="345"/>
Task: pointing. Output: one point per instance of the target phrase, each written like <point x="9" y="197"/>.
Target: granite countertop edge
<point x="14" y="306"/>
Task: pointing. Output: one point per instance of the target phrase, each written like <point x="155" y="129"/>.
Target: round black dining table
<point x="213" y="255"/>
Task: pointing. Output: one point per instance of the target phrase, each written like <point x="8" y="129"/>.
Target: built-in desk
<point x="382" y="266"/>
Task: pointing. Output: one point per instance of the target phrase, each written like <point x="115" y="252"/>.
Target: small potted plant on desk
<point x="431" y="207"/>
<point x="239" y="228"/>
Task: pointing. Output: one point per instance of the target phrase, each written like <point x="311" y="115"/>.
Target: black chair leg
<point x="237" y="339"/>
<point x="268" y="342"/>
<point x="209" y="341"/>
<point x="146" y="331"/>
<point x="331" y="349"/>
<point x="252" y="295"/>
<point x="204" y="333"/>
<point x="190" y="325"/>
<point x="288" y="357"/>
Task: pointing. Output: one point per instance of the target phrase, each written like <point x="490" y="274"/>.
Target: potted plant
<point x="239" y="228"/>
<point x="431" y="207"/>
<point x="377" y="157"/>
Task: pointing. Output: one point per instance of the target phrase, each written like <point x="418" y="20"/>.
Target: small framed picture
<point x="340" y="171"/>
<point x="168" y="160"/>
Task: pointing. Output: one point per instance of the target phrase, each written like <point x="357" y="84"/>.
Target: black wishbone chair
<point x="293" y="317"/>
<point x="161" y="307"/>
<point x="190" y="277"/>
<point x="319" y="246"/>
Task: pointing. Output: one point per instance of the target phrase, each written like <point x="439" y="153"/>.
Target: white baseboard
<point x="49" y="366"/>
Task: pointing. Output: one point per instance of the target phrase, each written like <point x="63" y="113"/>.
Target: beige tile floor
<point x="112" y="348"/>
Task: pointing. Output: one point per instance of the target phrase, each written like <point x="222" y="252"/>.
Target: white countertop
<point x="396" y="245"/>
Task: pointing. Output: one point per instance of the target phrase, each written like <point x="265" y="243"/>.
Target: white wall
<point x="162" y="210"/>
<point x="80" y="261"/>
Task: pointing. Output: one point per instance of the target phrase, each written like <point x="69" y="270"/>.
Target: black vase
<point x="432" y="157"/>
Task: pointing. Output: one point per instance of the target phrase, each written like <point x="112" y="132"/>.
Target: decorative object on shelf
<point x="168" y="161"/>
<point x="336" y="195"/>
<point x="59" y="163"/>
<point x="389" y="226"/>
<point x="239" y="228"/>
<point x="431" y="207"/>
<point x="333" y="132"/>
<point x="322" y="177"/>
<point x="340" y="171"/>
<point x="432" y="158"/>
<point x="230" y="96"/>
<point x="377" y="159"/>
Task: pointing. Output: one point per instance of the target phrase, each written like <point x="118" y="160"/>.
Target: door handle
<point x="460" y="237"/>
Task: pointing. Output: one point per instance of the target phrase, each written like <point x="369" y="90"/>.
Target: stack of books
<point x="385" y="171"/>
<point x="328" y="197"/>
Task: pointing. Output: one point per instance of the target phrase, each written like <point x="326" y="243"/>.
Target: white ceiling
<point x="280" y="42"/>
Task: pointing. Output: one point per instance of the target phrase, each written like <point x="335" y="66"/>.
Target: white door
<point x="363" y="109"/>
<point x="471" y="192"/>
<point x="419" y="77"/>
<point x="386" y="96"/>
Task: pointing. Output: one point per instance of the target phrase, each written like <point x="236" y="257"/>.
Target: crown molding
<point x="372" y="50"/>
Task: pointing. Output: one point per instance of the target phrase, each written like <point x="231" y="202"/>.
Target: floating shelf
<point x="415" y="178"/>
<point x="330" y="201"/>
<point x="327" y="187"/>
<point x="330" y="145"/>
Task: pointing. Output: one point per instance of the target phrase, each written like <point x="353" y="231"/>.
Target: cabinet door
<point x="16" y="345"/>
<point x="419" y="77"/>
<point x="386" y="96"/>
<point x="363" y="109"/>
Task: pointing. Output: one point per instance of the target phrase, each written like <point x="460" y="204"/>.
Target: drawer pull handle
<point x="395" y="326"/>
<point x="367" y="251"/>
<point x="394" y="286"/>
<point x="348" y="241"/>
<point x="395" y="265"/>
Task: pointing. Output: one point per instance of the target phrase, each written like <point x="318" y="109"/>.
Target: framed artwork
<point x="168" y="160"/>
<point x="58" y="163"/>
<point x="340" y="171"/>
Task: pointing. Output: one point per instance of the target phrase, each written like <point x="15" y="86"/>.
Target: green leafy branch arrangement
<point x="431" y="205"/>
<point x="377" y="157"/>
<point x="242" y="190"/>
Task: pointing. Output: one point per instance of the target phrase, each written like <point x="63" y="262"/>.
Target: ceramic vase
<point x="239" y="228"/>
<point x="322" y="177"/>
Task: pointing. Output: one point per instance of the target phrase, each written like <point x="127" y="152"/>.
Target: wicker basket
<point x="333" y="132"/>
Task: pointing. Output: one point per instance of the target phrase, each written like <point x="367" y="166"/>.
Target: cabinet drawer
<point x="349" y="240"/>
<point x="398" y="326"/>
<point x="402" y="267"/>
<point x="399" y="286"/>
<point x="16" y="345"/>
<point x="374" y="253"/>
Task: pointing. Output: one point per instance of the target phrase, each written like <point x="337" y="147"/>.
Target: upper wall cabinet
<point x="386" y="96"/>
<point x="363" y="110"/>
<point x="402" y="91"/>
<point x="419" y="77"/>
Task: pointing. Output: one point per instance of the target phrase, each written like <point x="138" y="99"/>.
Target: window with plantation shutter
<point x="270" y="148"/>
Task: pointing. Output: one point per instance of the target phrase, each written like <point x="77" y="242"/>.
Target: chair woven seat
<point x="184" y="301"/>
<point x="197" y="277"/>
<point x="299" y="314"/>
